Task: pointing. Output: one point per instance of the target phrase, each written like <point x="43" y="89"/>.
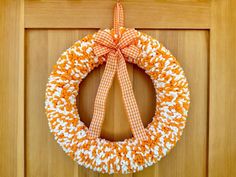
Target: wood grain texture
<point x="11" y="93"/>
<point x="43" y="47"/>
<point x="43" y="155"/>
<point x="99" y="14"/>
<point x="21" y="97"/>
<point x="222" y="141"/>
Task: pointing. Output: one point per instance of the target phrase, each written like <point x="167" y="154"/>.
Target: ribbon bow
<point x="104" y="43"/>
<point x="115" y="50"/>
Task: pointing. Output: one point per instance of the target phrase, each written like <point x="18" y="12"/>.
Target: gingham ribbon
<point x="118" y="17"/>
<point x="114" y="49"/>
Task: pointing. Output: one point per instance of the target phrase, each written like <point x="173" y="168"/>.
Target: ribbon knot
<point x="116" y="49"/>
<point x="104" y="44"/>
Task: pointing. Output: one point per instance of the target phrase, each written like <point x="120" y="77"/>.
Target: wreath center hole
<point x="116" y="125"/>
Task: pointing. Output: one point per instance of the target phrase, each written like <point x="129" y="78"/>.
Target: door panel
<point x="186" y="27"/>
<point x="194" y="14"/>
<point x="44" y="157"/>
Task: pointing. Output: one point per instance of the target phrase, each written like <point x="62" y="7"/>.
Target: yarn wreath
<point x="130" y="155"/>
<point x="114" y="47"/>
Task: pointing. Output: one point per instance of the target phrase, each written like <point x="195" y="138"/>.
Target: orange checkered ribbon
<point x="114" y="49"/>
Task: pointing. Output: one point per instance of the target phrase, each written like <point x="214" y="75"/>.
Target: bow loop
<point x="100" y="50"/>
<point x="105" y="39"/>
<point x="127" y="38"/>
<point x="131" y="51"/>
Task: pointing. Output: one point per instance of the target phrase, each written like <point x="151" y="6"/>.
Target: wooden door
<point x="201" y="34"/>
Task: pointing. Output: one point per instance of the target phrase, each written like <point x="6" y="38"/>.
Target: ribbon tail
<point x="131" y="106"/>
<point x="100" y="100"/>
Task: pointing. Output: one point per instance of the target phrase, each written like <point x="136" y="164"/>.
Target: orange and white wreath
<point x="115" y="47"/>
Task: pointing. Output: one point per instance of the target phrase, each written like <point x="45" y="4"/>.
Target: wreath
<point x="115" y="47"/>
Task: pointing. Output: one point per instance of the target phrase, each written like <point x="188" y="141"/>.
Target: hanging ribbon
<point x="105" y="45"/>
